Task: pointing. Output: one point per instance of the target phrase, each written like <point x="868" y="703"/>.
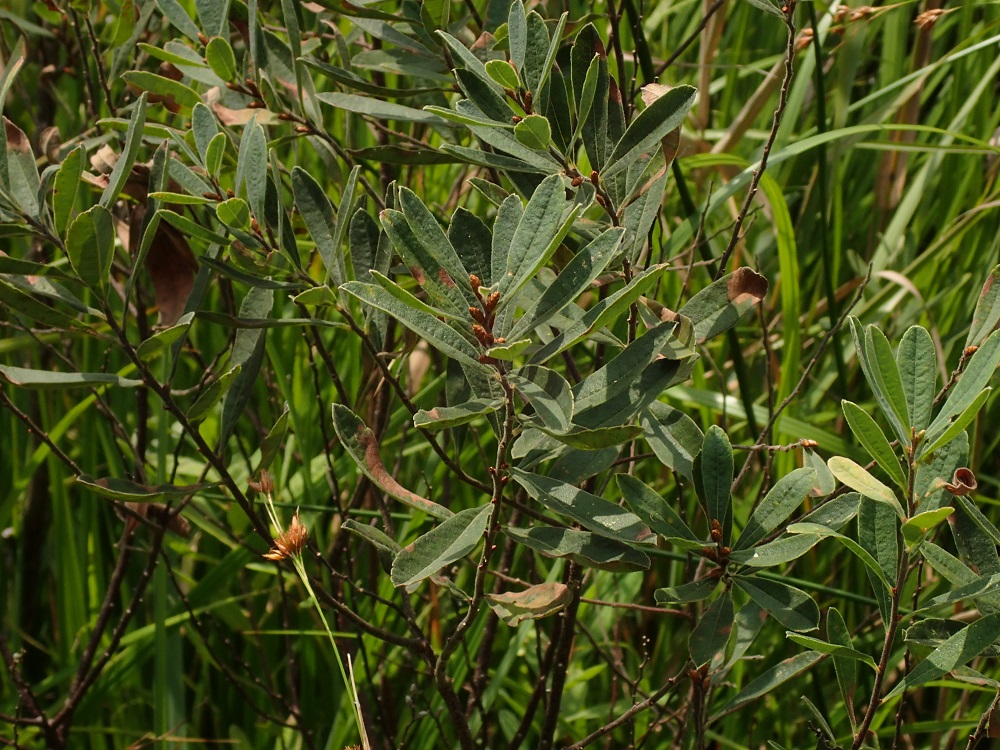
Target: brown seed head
<point x="291" y="542"/>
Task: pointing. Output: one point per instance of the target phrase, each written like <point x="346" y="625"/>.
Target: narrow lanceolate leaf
<point x="443" y="417"/>
<point x="782" y="550"/>
<point x="653" y="123"/>
<point x="653" y="509"/>
<point x="532" y="243"/>
<point x="888" y="381"/>
<point x="450" y="270"/>
<point x="589" y="550"/>
<point x="160" y="341"/>
<point x="769" y="681"/>
<point x="126" y="491"/>
<point x="362" y="446"/>
<point x="870" y="368"/>
<point x="90" y="244"/>
<point x="67" y="187"/>
<point x="815" y="529"/>
<point x="977" y="374"/>
<point x="790" y="606"/>
<point x="917" y="528"/>
<point x="714" y="478"/>
<point x="857" y="478"/>
<point x="597" y="438"/>
<point x="413" y="315"/>
<point x="825" y="647"/>
<point x="846" y="669"/>
<point x="712" y="632"/>
<point x="517" y="33"/>
<point x="916" y="360"/>
<point x="592" y="512"/>
<point x="123" y="167"/>
<point x="987" y="314"/>
<point x="784" y="497"/>
<point x="534" y="603"/>
<point x="548" y="393"/>
<point x="172" y="93"/>
<point x="719" y="306"/>
<point x="870" y="435"/>
<point x="673" y="436"/>
<point x="696" y="591"/>
<point x="46" y="380"/>
<point x="248" y="352"/>
<point x="572" y="281"/>
<point x="211" y="395"/>
<point x="960" y="649"/>
<point x="317" y="213"/>
<point x="451" y="541"/>
<point x="380" y="110"/>
<point x="22" y="175"/>
<point x="950" y="431"/>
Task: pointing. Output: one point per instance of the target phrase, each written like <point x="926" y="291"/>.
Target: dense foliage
<point x="474" y="374"/>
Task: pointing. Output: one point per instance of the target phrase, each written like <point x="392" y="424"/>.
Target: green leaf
<point x="719" y="306"/>
<point x="317" y="213"/>
<point x="592" y="512"/>
<point x="782" y="550"/>
<point x="654" y="511"/>
<point x="126" y="491"/>
<point x="142" y="80"/>
<point x="446" y="266"/>
<point x="220" y="58"/>
<point x="380" y="110"/>
<point x="857" y="478"/>
<point x="517" y="33"/>
<point x="534" y="603"/>
<point x="917" y="363"/>
<point x="575" y="278"/>
<point x="712" y="632"/>
<point x="585" y="101"/>
<point x="192" y="229"/>
<point x="214" y="154"/>
<point x="597" y="438"/>
<point x="824" y="647"/>
<point x="443" y="545"/>
<point x="863" y="344"/>
<point x="874" y="440"/>
<point x="918" y="527"/>
<point x="673" y="436"/>
<point x="66" y="189"/>
<point x="204" y="128"/>
<point x="508" y="352"/>
<point x="587" y="549"/>
<point x="818" y="530"/>
<point x="385" y="546"/>
<point x="247" y="351"/>
<point x="767" y="682"/>
<point x="362" y="446"/>
<point x="695" y="591"/>
<point x="251" y="167"/>
<point x="714" y="478"/>
<point x="234" y="213"/>
<point x="790" y="606"/>
<point x="444" y="417"/>
<point x="173" y="12"/>
<point x="503" y="73"/>
<point x="412" y="313"/>
<point x="771" y="7"/>
<point x="273" y="441"/>
<point x="888" y="380"/>
<point x="951" y="430"/>
<point x="784" y="497"/>
<point x="160" y="341"/>
<point x="987" y="314"/>
<point x="960" y="649"/>
<point x="123" y="167"/>
<point x="548" y="393"/>
<point x="538" y="234"/>
<point x="211" y="395"/>
<point x="22" y="176"/>
<point x="976" y="375"/>
<point x="647" y="130"/>
<point x="845" y="667"/>
<point x="534" y="132"/>
<point x="90" y="244"/>
<point x="47" y="380"/>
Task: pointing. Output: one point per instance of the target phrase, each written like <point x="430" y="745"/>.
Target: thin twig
<point x="772" y="136"/>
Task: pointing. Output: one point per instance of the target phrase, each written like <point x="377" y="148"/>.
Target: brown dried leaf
<point x="533" y="603"/>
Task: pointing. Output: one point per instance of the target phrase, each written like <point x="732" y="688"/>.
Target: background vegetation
<point x="194" y="197"/>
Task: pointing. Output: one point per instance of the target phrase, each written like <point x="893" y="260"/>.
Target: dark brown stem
<point x="561" y="663"/>
<point x="775" y="124"/>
